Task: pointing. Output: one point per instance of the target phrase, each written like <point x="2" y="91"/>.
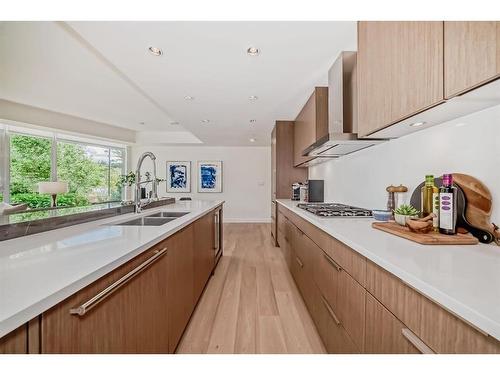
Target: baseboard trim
<point x="246" y="220"/>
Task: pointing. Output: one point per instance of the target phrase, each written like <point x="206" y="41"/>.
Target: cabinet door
<point x="204" y="253"/>
<point x="15" y="342"/>
<point x="132" y="318"/>
<point x="384" y="332"/>
<point x="350" y="308"/>
<point x="310" y="124"/>
<point x="471" y="55"/>
<point x="400" y="71"/>
<point x="180" y="283"/>
<point x="331" y="331"/>
<point x="326" y="275"/>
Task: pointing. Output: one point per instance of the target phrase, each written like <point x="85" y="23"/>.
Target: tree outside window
<point x="92" y="171"/>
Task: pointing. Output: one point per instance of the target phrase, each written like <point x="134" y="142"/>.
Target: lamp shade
<point x="53" y="187"/>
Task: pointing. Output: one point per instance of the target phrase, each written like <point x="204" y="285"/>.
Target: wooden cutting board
<point x="479" y="201"/>
<point x="431" y="238"/>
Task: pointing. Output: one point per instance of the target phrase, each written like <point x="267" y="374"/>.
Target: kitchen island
<point x="40" y="271"/>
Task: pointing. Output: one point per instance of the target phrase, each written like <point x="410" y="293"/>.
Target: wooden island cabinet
<point x="142" y="306"/>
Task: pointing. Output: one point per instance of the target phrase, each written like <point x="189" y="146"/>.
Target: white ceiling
<point x="103" y="71"/>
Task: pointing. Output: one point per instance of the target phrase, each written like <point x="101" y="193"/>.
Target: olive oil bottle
<point x="430" y="200"/>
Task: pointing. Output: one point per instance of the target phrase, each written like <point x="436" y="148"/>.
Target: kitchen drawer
<point x="281" y="222"/>
<point x="445" y="333"/>
<point x="326" y="275"/>
<point x="350" y="308"/>
<point x="350" y="260"/>
<point x="322" y="239"/>
<point x="442" y="331"/>
<point x="334" y="336"/>
<point x="385" y="332"/>
<point x="403" y="301"/>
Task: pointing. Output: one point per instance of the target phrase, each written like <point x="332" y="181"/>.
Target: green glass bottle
<point x="430" y="194"/>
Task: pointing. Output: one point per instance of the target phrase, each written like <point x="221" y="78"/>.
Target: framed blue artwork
<point x="178" y="176"/>
<point x="210" y="176"/>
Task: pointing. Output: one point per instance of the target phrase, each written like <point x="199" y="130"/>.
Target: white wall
<point x="468" y="145"/>
<point x="246" y="177"/>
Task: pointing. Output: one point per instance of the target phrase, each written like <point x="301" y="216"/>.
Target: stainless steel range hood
<point x="342" y="138"/>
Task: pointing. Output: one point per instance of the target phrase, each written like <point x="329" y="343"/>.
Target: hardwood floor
<point x="251" y="304"/>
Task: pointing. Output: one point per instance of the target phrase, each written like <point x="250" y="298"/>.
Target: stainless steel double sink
<point x="156" y="219"/>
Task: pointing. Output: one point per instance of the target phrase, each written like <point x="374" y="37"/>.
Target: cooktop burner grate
<point x="335" y="210"/>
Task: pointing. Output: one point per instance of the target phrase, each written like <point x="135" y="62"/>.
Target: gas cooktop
<point x="335" y="210"/>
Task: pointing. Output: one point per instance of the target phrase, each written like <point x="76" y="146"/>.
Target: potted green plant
<point x="127" y="180"/>
<point x="405" y="212"/>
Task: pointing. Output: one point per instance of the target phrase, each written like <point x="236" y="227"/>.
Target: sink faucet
<point x="138" y="182"/>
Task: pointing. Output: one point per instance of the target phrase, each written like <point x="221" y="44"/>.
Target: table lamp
<point x="53" y="188"/>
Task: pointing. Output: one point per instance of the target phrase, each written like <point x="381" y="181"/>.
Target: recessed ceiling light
<point x="142" y="123"/>
<point x="253" y="51"/>
<point x="252" y="140"/>
<point x="253" y="97"/>
<point x="174" y="122"/>
<point x="155" y="51"/>
<point x="188" y="97"/>
<point x="419" y="123"/>
<point x="253" y="121"/>
<point x="205" y="121"/>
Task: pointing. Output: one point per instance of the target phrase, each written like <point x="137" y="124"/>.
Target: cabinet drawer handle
<point x="416" y="341"/>
<point x="330" y="311"/>
<point x="332" y="262"/>
<point x="299" y="262"/>
<point x="105" y="293"/>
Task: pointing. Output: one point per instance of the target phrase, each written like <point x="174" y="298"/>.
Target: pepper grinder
<point x="395" y="197"/>
<point x="391" y="199"/>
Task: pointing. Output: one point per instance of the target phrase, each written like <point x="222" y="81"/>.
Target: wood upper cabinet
<point x="180" y="283"/>
<point x="311" y="124"/>
<point x="471" y="54"/>
<point x="284" y="174"/>
<point x="204" y="253"/>
<point x="131" y="318"/>
<point x="400" y="71"/>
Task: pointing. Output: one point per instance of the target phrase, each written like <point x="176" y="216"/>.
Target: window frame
<point x="7" y="130"/>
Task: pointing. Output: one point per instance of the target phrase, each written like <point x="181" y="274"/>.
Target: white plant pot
<point x="402" y="219"/>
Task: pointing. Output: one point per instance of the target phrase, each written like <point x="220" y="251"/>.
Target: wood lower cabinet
<point x="437" y="328"/>
<point x="15" y="342"/>
<point x="471" y="55"/>
<point x="384" y="332"/>
<point x="131" y="318"/>
<point x="359" y="307"/>
<point x="350" y="308"/>
<point x="180" y="284"/>
<point x="334" y="336"/>
<point x="203" y="253"/>
<point x="400" y="71"/>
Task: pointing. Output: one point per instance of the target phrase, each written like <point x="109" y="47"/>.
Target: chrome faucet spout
<point x="138" y="206"/>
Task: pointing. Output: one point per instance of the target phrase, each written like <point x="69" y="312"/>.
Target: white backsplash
<point x="470" y="145"/>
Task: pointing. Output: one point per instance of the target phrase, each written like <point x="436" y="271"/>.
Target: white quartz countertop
<point x="463" y="279"/>
<point x="41" y="270"/>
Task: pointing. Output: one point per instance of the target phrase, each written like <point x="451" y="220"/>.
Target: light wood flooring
<point x="251" y="304"/>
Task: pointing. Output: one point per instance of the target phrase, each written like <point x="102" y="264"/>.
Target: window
<point x="92" y="171"/>
<point x="30" y="160"/>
